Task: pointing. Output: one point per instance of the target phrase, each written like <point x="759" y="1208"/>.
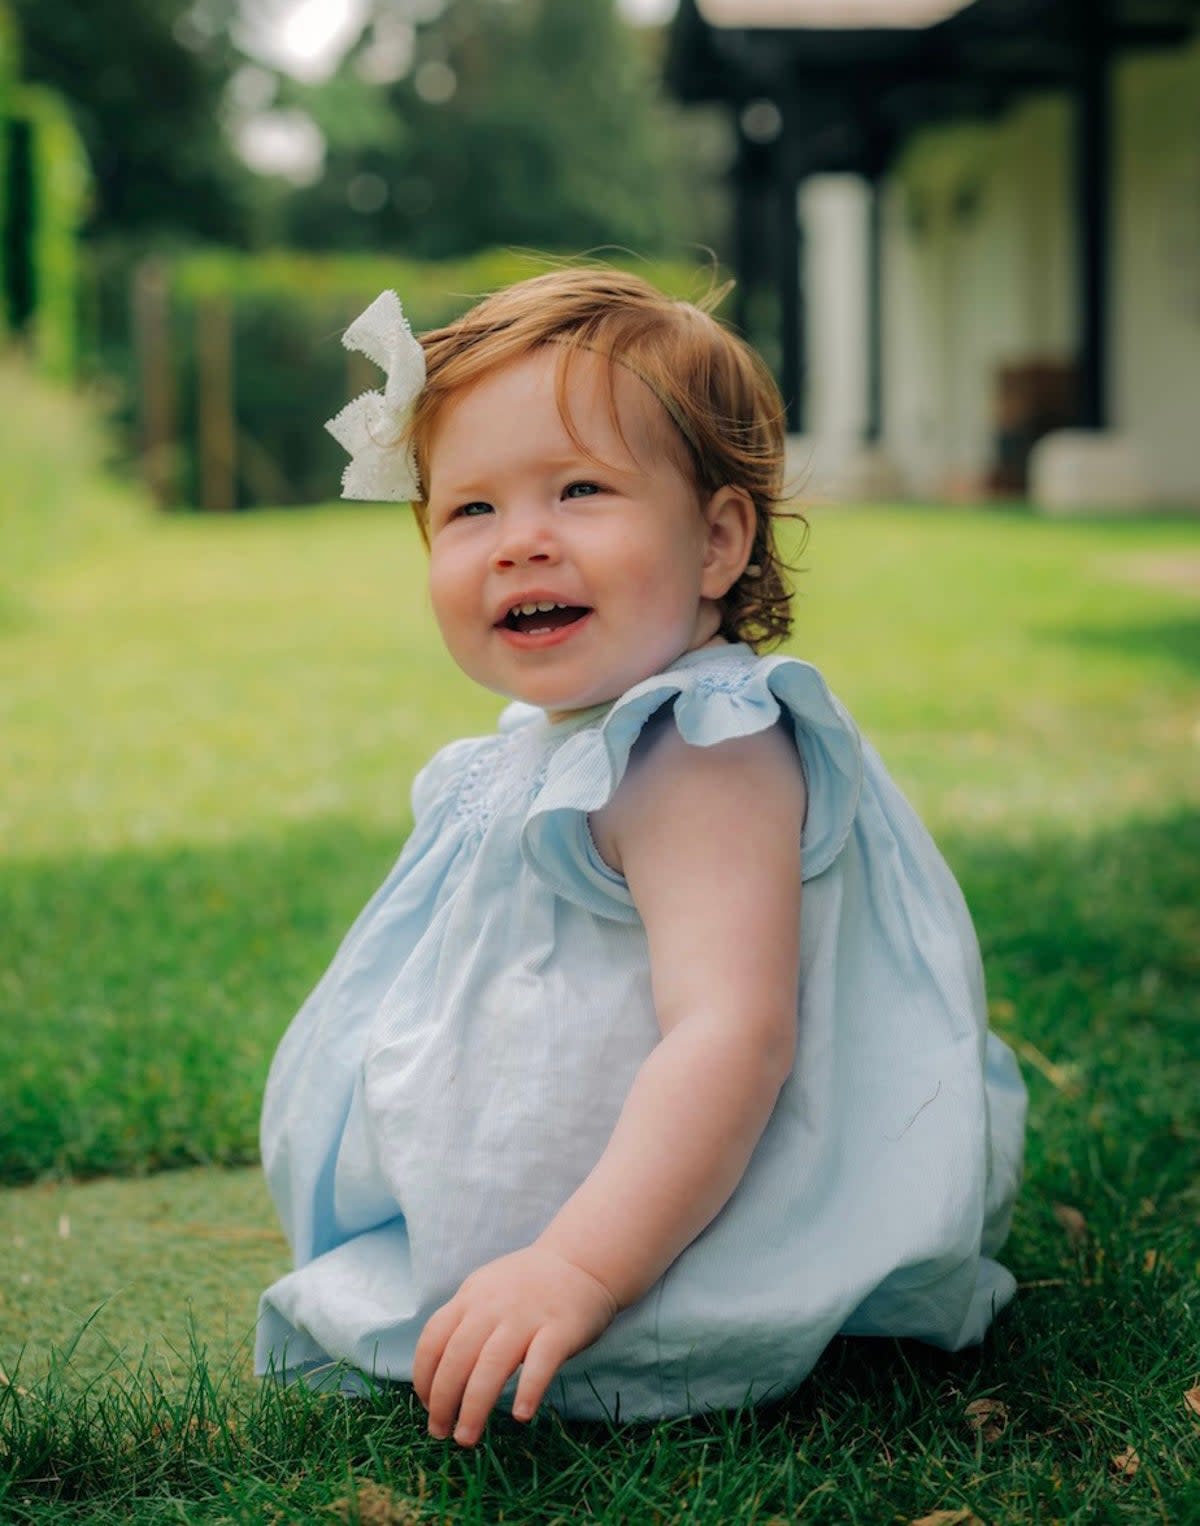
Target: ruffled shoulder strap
<point x="714" y="695"/>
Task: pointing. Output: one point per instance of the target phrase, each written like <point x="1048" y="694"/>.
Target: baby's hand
<point x="532" y="1309"/>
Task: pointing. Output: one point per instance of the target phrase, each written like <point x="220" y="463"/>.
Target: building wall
<point x="1156" y="317"/>
<point x="979" y="256"/>
<point x="980" y="274"/>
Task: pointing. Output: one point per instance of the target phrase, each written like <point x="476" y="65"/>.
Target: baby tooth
<point x="540" y="608"/>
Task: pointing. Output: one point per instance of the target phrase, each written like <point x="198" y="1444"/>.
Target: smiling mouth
<point x="532" y="620"/>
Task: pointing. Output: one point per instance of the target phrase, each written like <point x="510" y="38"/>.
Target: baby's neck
<point x="558" y="717"/>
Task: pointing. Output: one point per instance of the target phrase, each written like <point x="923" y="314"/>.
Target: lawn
<point x="209" y="727"/>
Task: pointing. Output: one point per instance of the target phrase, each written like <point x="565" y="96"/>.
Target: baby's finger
<point x="497" y="1361"/>
<point x="545" y="1356"/>
<point x="439" y="1327"/>
<point x="455" y="1367"/>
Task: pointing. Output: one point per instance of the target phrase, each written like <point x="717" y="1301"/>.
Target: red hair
<point x="723" y="403"/>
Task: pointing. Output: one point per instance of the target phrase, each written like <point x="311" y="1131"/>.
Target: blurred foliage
<point x="145" y="80"/>
<point x="44" y="191"/>
<point x="529" y="122"/>
<point x="8" y="52"/>
<point x="434" y="291"/>
<point x="449" y="126"/>
<point x="288" y="311"/>
<point x="47" y="185"/>
<point x="8" y="81"/>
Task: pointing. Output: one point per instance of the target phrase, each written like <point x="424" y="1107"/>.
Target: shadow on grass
<point x="1175" y="641"/>
<point x="142" y="995"/>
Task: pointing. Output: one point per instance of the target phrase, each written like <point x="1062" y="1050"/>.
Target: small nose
<point x="525" y="537"/>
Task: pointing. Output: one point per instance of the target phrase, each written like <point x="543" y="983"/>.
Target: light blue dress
<point x="460" y="1068"/>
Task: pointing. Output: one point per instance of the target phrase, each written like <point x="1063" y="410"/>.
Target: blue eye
<point x="580" y="490"/>
<point x="473" y="510"/>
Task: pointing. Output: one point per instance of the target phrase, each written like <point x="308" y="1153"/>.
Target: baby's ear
<point x="732" y="520"/>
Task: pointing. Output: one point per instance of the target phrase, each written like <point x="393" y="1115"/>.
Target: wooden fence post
<point x="156" y="380"/>
<point x="215" y="429"/>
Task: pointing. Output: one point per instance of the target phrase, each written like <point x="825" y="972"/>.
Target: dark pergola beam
<point x="973" y="63"/>
<point x="875" y="164"/>
<point x="873" y="430"/>
<point x="746" y="246"/>
<point x="789" y="254"/>
<point x="1093" y="178"/>
<point x="1012" y="47"/>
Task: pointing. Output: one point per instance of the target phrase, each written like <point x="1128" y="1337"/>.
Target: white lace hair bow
<point x="372" y="426"/>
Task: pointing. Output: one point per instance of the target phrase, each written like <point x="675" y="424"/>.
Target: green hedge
<point x="9" y="54"/>
<point x="61" y="181"/>
<point x="44" y="190"/>
<point x="286" y="314"/>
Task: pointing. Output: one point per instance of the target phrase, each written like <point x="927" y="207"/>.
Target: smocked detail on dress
<point x="503" y="769"/>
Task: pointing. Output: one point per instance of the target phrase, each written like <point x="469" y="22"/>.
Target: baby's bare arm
<point x="709" y="842"/>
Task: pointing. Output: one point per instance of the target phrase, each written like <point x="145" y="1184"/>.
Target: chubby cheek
<point x="455" y="602"/>
<point x="666" y="586"/>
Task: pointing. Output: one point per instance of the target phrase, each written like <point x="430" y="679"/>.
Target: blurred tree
<point x="145" y="81"/>
<point x="519" y="122"/>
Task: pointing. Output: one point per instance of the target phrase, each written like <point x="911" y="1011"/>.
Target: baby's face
<point x="520" y="516"/>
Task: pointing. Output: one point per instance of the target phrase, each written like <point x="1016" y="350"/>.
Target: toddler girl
<point x="587" y="1092"/>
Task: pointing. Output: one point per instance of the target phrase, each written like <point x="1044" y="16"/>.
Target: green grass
<point x="211" y="734"/>
<point x="54" y="502"/>
<point x="874" y="1436"/>
<point x="208" y="730"/>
